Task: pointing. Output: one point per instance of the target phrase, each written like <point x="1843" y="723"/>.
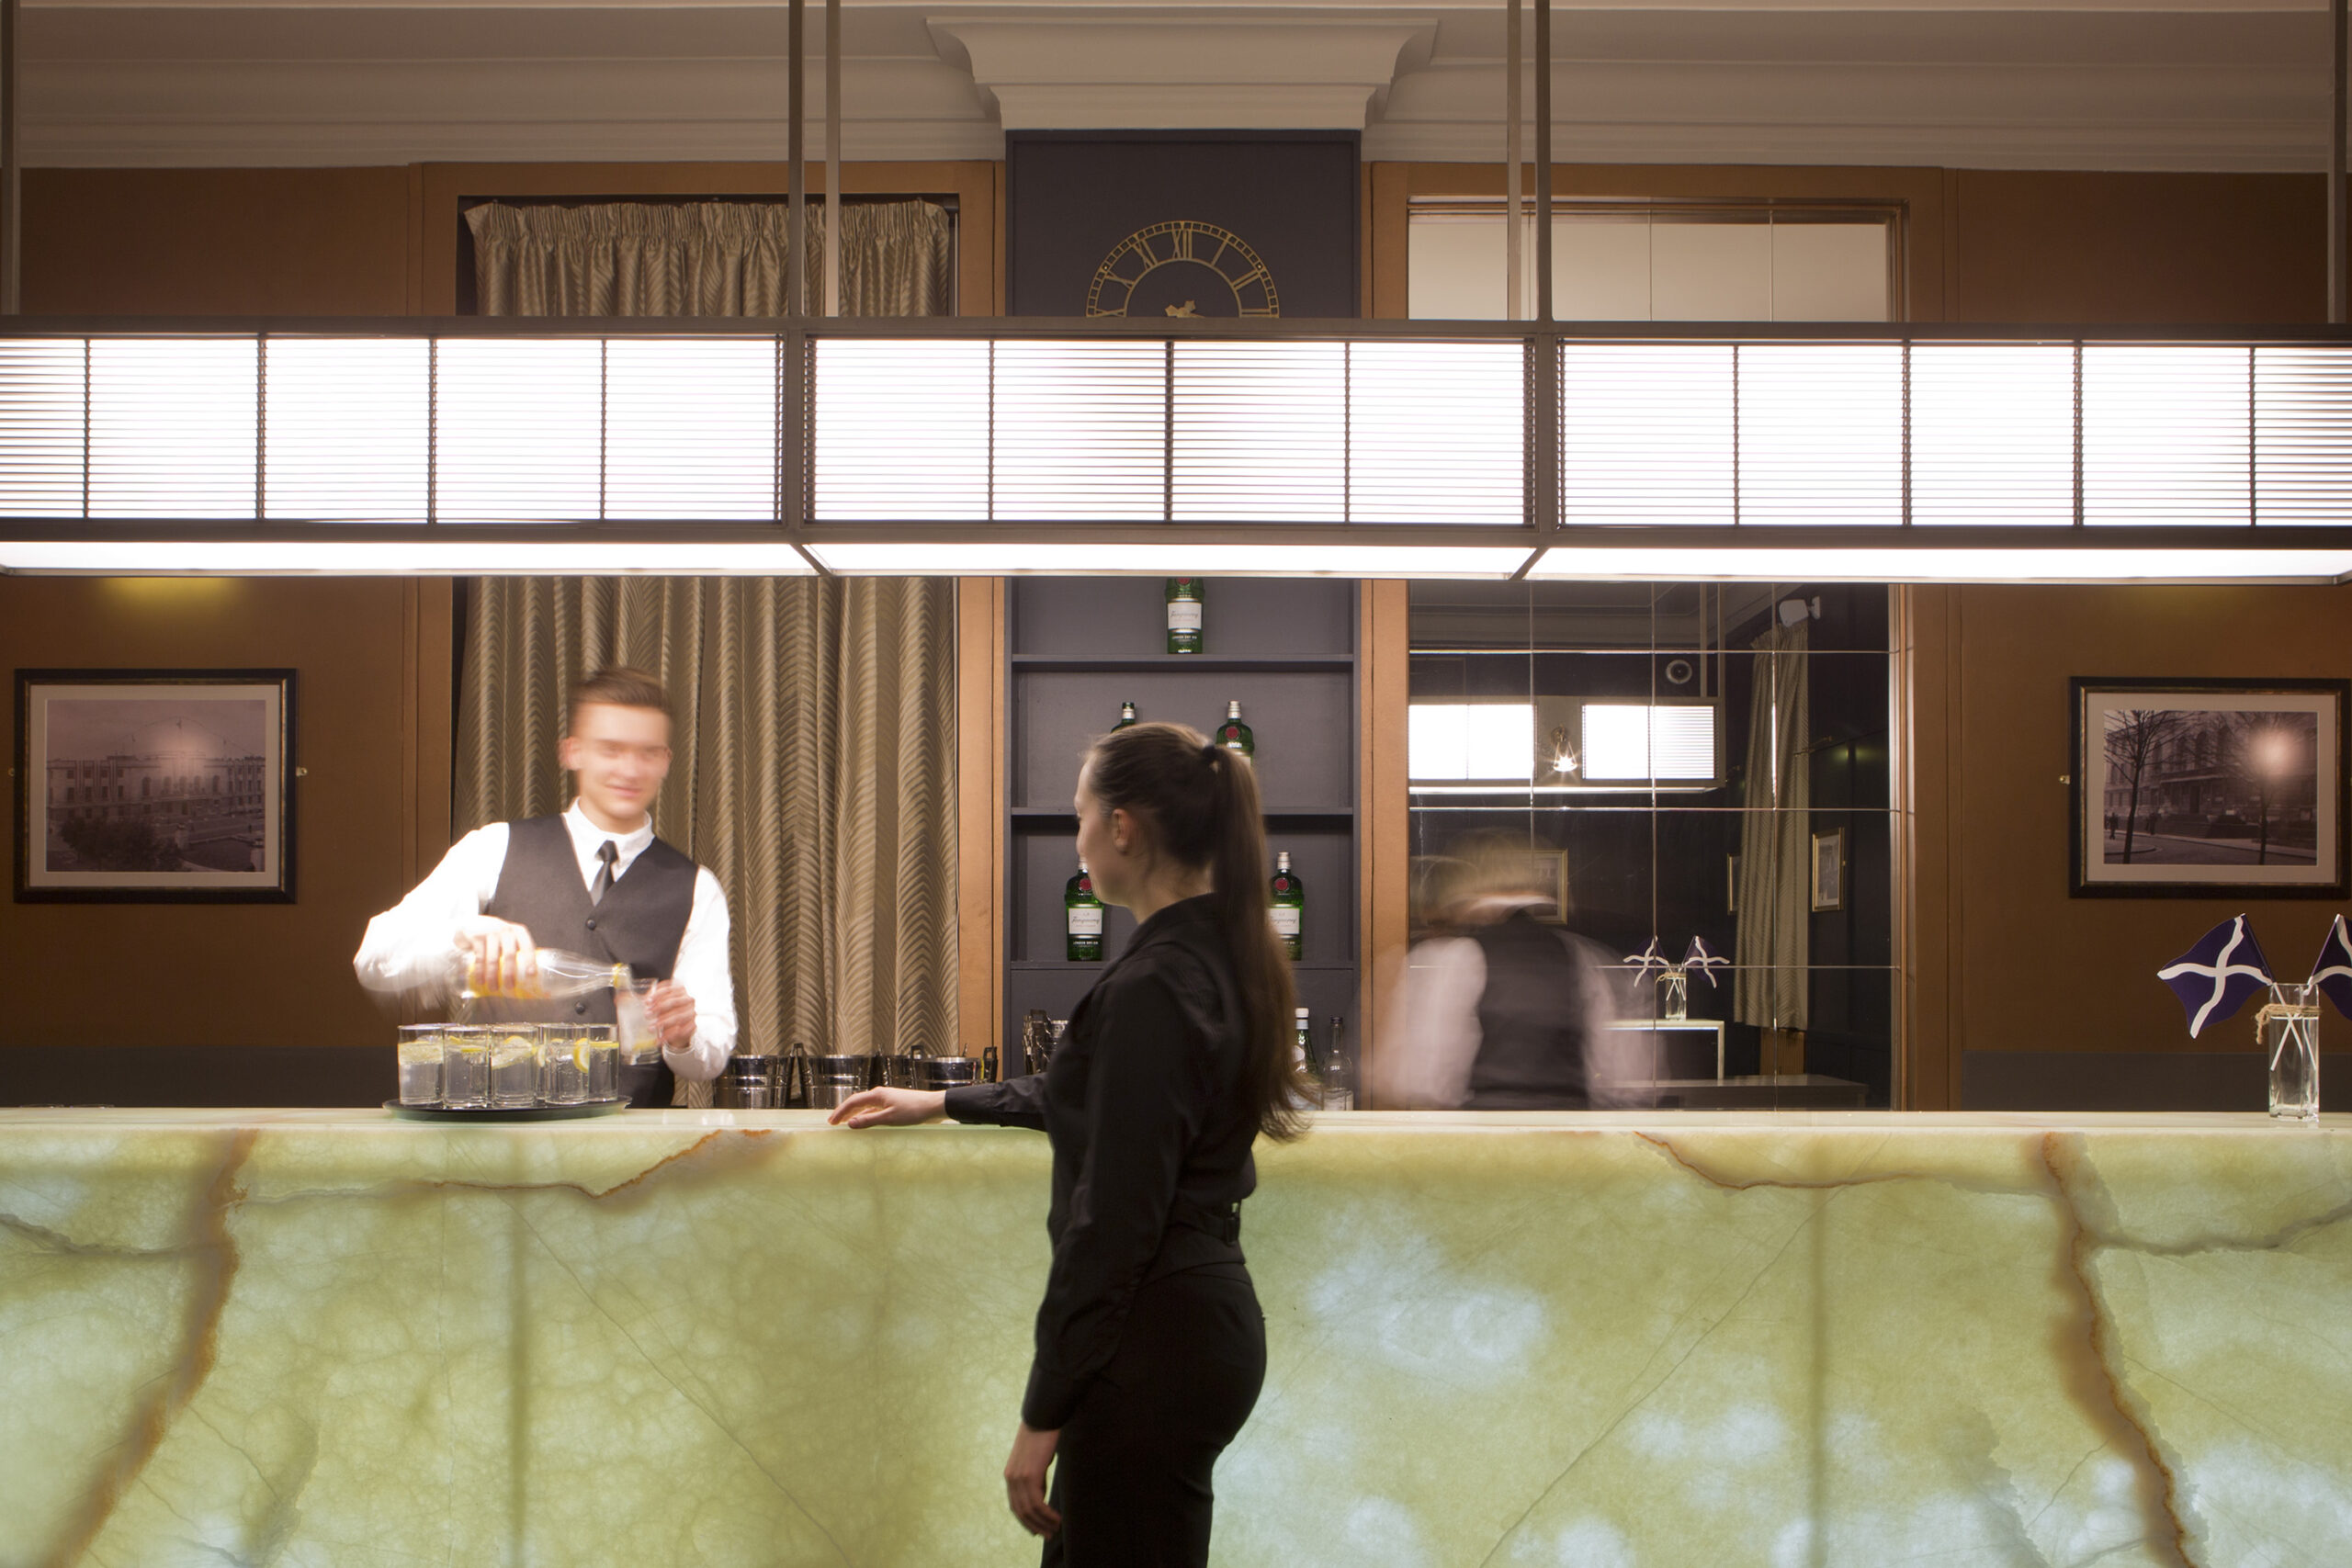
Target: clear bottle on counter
<point x="1339" y="1082"/>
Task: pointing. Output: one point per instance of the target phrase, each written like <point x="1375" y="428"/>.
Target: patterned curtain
<point x="815" y="739"/>
<point x="705" y="259"/>
<point x="1774" y="922"/>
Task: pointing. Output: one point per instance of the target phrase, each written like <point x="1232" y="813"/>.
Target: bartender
<point x="594" y="881"/>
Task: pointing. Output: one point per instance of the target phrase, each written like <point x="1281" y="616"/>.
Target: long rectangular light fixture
<point x="1175" y="557"/>
<point x="1666" y="562"/>
<point x="455" y="555"/>
<point x="1344" y="449"/>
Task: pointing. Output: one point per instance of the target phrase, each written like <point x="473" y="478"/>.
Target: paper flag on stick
<point x="2332" y="970"/>
<point x="1705" y="963"/>
<point x="2213" y="978"/>
<point x="1649" y="958"/>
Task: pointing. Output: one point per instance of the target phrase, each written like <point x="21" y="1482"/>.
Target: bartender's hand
<point x="504" y="960"/>
<point x="889" y="1108"/>
<point x="1024" y="1480"/>
<point x="670" y="1009"/>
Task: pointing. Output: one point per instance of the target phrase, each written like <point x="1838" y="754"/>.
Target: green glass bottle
<point x="1186" y="610"/>
<point x="1081" y="920"/>
<point x="1288" y="905"/>
<point x="1126" y="716"/>
<point x="1234" y="735"/>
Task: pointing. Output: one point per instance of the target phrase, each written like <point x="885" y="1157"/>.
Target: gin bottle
<point x="1184" y="595"/>
<point x="1126" y="716"/>
<point x="1081" y="920"/>
<point x="1234" y="735"/>
<point x="1288" y="906"/>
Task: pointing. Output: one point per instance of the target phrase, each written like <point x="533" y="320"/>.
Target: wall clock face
<point x="1182" y="268"/>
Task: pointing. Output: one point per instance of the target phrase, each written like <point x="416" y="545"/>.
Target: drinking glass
<point x="420" y="1057"/>
<point x="603" y="1060"/>
<point x="514" y="1065"/>
<point x="465" y="1066"/>
<point x="565" y="1054"/>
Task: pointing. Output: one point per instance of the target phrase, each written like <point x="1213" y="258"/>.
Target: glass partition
<point x="1679" y="763"/>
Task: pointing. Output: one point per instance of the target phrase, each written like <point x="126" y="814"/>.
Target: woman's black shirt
<point x="1143" y="1103"/>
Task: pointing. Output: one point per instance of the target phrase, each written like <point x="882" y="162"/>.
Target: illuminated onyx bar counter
<point x="697" y="1338"/>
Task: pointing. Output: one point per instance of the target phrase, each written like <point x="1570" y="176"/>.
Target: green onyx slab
<point x="1584" y="1341"/>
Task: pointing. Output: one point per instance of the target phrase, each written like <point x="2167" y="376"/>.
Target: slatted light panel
<point x="892" y="435"/>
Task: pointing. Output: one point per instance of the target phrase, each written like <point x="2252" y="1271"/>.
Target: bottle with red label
<point x="1234" y="735"/>
<point x="1287" y="905"/>
<point x="1081" y="920"/>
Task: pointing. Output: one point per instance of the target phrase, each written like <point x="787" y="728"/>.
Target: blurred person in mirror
<point x="592" y="880"/>
<point x="1151" y="1348"/>
<point x="1499" y="1011"/>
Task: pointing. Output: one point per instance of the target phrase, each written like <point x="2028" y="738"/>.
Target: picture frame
<point x="1829" y="869"/>
<point x="2202" y="787"/>
<point x="155" y="786"/>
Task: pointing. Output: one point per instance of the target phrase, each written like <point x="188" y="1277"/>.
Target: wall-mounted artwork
<point x="1829" y="869"/>
<point x="155" y="786"/>
<point x="2199" y="788"/>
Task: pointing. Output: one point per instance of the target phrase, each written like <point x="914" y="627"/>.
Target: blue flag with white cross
<point x="2332" y="970"/>
<point x="2214" y="979"/>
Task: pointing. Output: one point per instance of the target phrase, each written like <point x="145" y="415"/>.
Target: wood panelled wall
<point x="1997" y="947"/>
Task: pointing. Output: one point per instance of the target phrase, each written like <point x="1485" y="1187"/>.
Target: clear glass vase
<point x="2289" y="1031"/>
<point x="1674" y="995"/>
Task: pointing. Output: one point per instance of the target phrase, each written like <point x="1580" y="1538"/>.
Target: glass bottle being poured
<point x="552" y="974"/>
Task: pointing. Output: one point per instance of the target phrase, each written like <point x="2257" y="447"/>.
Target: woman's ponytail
<point x="1203" y="805"/>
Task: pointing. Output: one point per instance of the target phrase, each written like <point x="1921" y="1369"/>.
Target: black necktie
<point x="605" y="854"/>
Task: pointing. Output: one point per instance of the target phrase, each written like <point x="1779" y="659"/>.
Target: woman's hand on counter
<point x="889" y="1108"/>
<point x="1024" y="1480"/>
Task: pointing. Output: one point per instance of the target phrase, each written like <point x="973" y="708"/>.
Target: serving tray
<point x="504" y="1112"/>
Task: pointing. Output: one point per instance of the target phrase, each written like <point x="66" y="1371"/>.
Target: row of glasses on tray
<point x="467" y="1066"/>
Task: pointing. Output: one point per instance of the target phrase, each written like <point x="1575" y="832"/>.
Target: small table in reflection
<point x="1658" y="1028"/>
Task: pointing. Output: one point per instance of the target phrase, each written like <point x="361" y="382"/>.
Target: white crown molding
<point x="2225" y="88"/>
<point x="1203" y="72"/>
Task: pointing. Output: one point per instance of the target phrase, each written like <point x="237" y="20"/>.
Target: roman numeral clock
<point x="1199" y="261"/>
<point x="1167" y="225"/>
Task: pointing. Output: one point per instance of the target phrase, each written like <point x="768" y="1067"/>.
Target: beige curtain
<point x="705" y="259"/>
<point x="1775" y="916"/>
<point x="814" y="768"/>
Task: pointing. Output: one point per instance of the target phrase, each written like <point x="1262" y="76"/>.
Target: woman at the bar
<point x="1151" y="1346"/>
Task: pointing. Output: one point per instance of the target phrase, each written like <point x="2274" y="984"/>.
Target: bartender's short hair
<point x="619" y="686"/>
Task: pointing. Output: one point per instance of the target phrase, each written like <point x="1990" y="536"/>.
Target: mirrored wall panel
<point x="1694" y="773"/>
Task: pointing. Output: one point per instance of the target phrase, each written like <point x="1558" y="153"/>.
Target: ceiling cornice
<point x="2158" y="86"/>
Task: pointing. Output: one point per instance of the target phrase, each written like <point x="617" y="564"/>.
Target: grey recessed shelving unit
<point x="1076" y="648"/>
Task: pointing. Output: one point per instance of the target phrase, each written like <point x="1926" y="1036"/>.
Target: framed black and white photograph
<point x="2196" y="788"/>
<point x="155" y="786"/>
<point x="1829" y="869"/>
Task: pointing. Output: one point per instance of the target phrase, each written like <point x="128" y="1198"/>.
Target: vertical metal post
<point x="796" y="189"/>
<point x="1545" y="350"/>
<point x="2336" y="165"/>
<point x="1514" y="219"/>
<point x="833" y="157"/>
<point x="1544" y="160"/>
<point x="11" y="209"/>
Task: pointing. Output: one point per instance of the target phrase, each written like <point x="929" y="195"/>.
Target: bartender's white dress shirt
<point x="414" y="943"/>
